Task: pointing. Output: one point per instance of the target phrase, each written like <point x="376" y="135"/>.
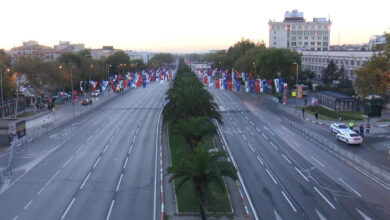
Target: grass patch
<point x="217" y="201"/>
<point x="383" y="120"/>
<point x="327" y="114"/>
<point x="25" y="114"/>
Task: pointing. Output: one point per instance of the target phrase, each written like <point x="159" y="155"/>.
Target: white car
<point x="338" y="127"/>
<point x="350" y="137"/>
<point x="95" y="94"/>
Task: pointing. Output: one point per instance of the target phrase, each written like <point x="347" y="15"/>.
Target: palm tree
<point x="202" y="168"/>
<point x="194" y="130"/>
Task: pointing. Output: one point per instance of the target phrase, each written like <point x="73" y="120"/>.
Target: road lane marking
<point x="277" y="216"/>
<point x="253" y="124"/>
<point x="119" y="183"/>
<point x="109" y="211"/>
<point x="28" y="204"/>
<point x="81" y="147"/>
<point x="257" y="129"/>
<point x="260" y="160"/>
<point x="304" y="177"/>
<point x="67" y="209"/>
<point x="271" y="176"/>
<point x="318" y="161"/>
<point x="288" y="130"/>
<point x="89" y="138"/>
<point x="286" y="158"/>
<point x="266" y="128"/>
<point x="48" y="182"/>
<point x="363" y="215"/>
<point x="329" y="203"/>
<point x="289" y="202"/>
<point x="134" y="138"/>
<point x="111" y="139"/>
<point x="251" y="147"/>
<point x="274" y="146"/>
<point x="85" y="180"/>
<point x="131" y="147"/>
<point x="105" y="148"/>
<point x="16" y="217"/>
<point x="96" y="162"/>
<point x="320" y="216"/>
<point x="264" y="136"/>
<point x="243" y="136"/>
<point x="124" y="165"/>
<point x="66" y="163"/>
<point x="352" y="189"/>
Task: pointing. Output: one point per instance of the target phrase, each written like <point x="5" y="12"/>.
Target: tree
<point x="136" y="65"/>
<point x="202" y="168"/>
<point x="329" y="73"/>
<point x="117" y="61"/>
<point x="8" y="84"/>
<point x="160" y="59"/>
<point x="36" y="77"/>
<point x="194" y="130"/>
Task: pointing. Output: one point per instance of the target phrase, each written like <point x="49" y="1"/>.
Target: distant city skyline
<point x="175" y="26"/>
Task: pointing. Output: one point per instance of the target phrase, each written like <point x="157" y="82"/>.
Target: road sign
<point x="21" y="129"/>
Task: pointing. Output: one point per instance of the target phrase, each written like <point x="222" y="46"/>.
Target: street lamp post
<point x="71" y="86"/>
<point x="296" y="86"/>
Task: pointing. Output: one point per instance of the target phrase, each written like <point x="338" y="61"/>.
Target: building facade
<point x="296" y="33"/>
<point x="377" y="42"/>
<point x="142" y="55"/>
<point x="316" y="61"/>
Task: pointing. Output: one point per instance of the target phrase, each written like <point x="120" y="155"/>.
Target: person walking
<point x="367" y="128"/>
<point x="316" y="114"/>
<point x="303" y="112"/>
<point x="351" y="125"/>
<point x="305" y="102"/>
<point x="361" y="128"/>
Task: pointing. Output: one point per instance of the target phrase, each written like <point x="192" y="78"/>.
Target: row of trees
<point x="374" y="76"/>
<point x="262" y="62"/>
<point x="190" y="112"/>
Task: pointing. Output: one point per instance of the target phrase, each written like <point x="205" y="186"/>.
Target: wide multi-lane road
<point x="285" y="176"/>
<point x="101" y="166"/>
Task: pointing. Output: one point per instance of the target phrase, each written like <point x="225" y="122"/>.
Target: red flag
<point x="217" y="83"/>
<point x="229" y="85"/>
<point x="75" y="96"/>
<point x="257" y="89"/>
<point x="205" y="80"/>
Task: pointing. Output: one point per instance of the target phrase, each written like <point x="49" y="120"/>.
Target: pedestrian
<point x="367" y="128"/>
<point x="305" y="102"/>
<point x="361" y="128"/>
<point x="341" y="118"/>
<point x="303" y="112"/>
<point x="351" y="125"/>
<point x="316" y="114"/>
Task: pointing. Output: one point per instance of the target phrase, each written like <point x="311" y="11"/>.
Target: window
<point x="325" y="48"/>
<point x="326" y="37"/>
<point x="293" y="27"/>
<point x="293" y="44"/>
<point x="306" y="43"/>
<point x="299" y="38"/>
<point x="311" y="32"/>
<point x="306" y="27"/>
<point x="274" y="32"/>
<point x="346" y="62"/>
<point x="299" y="32"/>
<point x="311" y="43"/>
<point x="274" y="38"/>
<point x="325" y="43"/>
<point x="312" y="37"/>
<point x="299" y="27"/>
<point x="319" y="32"/>
<point x="319" y="38"/>
<point x="358" y="62"/>
<point x="325" y="32"/>
<point x="306" y="38"/>
<point x="293" y="32"/>
<point x="319" y="49"/>
<point x="294" y="38"/>
<point x="306" y="32"/>
<point x="274" y="43"/>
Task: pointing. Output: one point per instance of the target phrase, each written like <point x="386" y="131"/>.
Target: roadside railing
<point x="350" y="158"/>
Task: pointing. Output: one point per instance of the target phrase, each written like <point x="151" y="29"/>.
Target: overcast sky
<point x="178" y="25"/>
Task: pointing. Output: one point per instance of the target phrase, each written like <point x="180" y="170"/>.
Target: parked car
<point x="338" y="127"/>
<point x="86" y="101"/>
<point x="95" y="93"/>
<point x="64" y="95"/>
<point x="351" y="137"/>
<point x="58" y="99"/>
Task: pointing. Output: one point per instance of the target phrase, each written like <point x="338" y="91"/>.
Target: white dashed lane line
<point x="365" y="217"/>
<point x="96" y="162"/>
<point x="253" y="150"/>
<point x="67" y="162"/>
<point x="318" y="162"/>
<point x="85" y="180"/>
<point x="329" y="203"/>
<point x="271" y="176"/>
<point x="274" y="146"/>
<point x="28" y="204"/>
<point x="300" y="173"/>
<point x="67" y="209"/>
<point x="109" y="211"/>
<point x="260" y="160"/>
<point x="349" y="187"/>
<point x="289" y="202"/>
<point x="257" y="129"/>
<point x="119" y="183"/>
<point x="264" y="136"/>
<point x="286" y="158"/>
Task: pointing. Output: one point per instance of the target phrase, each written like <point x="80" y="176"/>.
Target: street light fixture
<point x="296" y="86"/>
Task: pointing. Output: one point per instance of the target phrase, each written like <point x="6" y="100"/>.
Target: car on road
<point x="95" y="93"/>
<point x="86" y="101"/>
<point x="338" y="127"/>
<point x="350" y="137"/>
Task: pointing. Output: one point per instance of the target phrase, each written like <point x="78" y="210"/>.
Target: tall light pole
<point x="71" y="86"/>
<point x="296" y="95"/>
<point x="89" y="83"/>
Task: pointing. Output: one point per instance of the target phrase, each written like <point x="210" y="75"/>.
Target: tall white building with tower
<point x="294" y="32"/>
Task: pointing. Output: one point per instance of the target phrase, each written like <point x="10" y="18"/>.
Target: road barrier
<point x="351" y="159"/>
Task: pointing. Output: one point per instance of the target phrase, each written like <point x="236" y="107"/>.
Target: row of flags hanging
<point x="132" y="80"/>
<point x="226" y="80"/>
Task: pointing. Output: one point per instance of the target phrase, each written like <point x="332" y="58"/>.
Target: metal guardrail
<point x="350" y="158"/>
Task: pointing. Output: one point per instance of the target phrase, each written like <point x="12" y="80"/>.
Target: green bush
<point x="357" y="116"/>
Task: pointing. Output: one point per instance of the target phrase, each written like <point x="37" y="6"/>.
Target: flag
<point x="276" y="82"/>
<point x="256" y="86"/>
<point x="251" y="85"/>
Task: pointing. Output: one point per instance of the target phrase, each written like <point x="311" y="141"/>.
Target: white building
<point x="296" y="33"/>
<point x="316" y="61"/>
<point x="142" y="55"/>
<point x="376" y="42"/>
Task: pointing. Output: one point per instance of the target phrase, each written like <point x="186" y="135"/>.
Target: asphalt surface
<point x="287" y="176"/>
<point x="101" y="166"/>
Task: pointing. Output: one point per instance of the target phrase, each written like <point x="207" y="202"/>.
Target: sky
<point x="178" y="25"/>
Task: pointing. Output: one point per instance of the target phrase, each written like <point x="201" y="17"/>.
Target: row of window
<point x="325" y="38"/>
<point x="336" y="61"/>
<point x="307" y="33"/>
<point x="299" y="27"/>
<point x="320" y="68"/>
<point x="300" y="43"/>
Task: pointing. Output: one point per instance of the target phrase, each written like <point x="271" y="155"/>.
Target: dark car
<point x="86" y="101"/>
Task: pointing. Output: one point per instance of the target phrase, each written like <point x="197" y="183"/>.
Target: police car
<point x="350" y="137"/>
<point x="338" y="127"/>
